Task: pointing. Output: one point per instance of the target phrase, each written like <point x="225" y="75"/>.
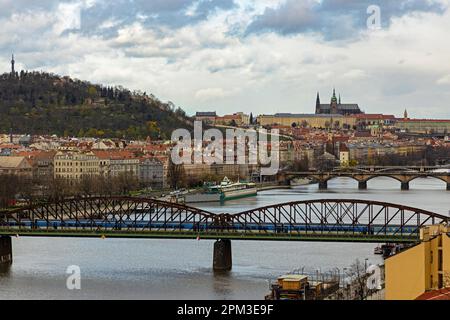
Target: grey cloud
<point x="154" y="14"/>
<point x="9" y="7"/>
<point x="333" y="19"/>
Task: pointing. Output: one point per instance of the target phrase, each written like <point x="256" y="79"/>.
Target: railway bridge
<point x="342" y="220"/>
<point x="364" y="174"/>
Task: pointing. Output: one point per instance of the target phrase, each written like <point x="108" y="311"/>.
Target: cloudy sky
<point x="263" y="56"/>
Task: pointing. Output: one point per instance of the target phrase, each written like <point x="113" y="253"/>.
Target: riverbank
<point x="273" y="187"/>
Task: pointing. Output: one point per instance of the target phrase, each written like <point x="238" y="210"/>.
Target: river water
<point x="181" y="269"/>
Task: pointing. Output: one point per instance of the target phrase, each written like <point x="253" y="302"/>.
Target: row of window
<point x="81" y="164"/>
<point x="76" y="170"/>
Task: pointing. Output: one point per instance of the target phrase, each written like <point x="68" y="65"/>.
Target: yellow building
<point x="76" y="165"/>
<point x="422" y="268"/>
<point x="307" y="120"/>
<point x="424" y="125"/>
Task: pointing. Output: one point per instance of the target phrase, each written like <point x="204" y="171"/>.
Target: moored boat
<point x="230" y="191"/>
<point x="378" y="250"/>
<point x="226" y="190"/>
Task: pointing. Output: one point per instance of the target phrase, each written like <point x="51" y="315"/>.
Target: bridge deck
<point x="213" y="236"/>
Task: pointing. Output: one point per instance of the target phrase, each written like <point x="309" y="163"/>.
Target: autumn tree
<point x="175" y="175"/>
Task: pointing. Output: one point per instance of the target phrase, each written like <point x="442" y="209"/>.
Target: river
<point x="181" y="269"/>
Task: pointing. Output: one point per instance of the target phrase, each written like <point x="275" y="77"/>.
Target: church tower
<point x="334" y="103"/>
<point x="13" y="71"/>
<point x="405" y="115"/>
<point x="318" y="111"/>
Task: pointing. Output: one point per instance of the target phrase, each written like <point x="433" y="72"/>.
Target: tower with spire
<point x="13" y="71"/>
<point x="334" y="103"/>
<point x="318" y="104"/>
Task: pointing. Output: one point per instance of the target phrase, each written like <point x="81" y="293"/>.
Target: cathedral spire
<point x="333" y="98"/>
<point x="339" y="98"/>
<point x="318" y="104"/>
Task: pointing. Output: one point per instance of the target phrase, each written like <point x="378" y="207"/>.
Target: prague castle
<point x="332" y="115"/>
<point x="336" y="107"/>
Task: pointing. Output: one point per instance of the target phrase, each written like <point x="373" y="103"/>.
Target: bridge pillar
<point x="323" y="185"/>
<point x="5" y="252"/>
<point x="405" y="185"/>
<point x="362" y="185"/>
<point x="222" y="260"/>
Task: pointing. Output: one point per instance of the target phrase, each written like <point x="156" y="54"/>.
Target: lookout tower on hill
<point x="13" y="62"/>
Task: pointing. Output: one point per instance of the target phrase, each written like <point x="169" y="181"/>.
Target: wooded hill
<point x="44" y="103"/>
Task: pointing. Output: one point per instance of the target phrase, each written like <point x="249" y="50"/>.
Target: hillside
<point x="43" y="103"/>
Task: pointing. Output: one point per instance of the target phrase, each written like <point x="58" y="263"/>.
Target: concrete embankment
<point x="272" y="187"/>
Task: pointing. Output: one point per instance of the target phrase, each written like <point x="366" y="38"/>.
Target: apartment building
<point x="75" y="165"/>
<point x="16" y="166"/>
<point x="151" y="172"/>
<point x="422" y="268"/>
<point x="116" y="162"/>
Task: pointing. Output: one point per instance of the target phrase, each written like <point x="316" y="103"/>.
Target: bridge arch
<point x="441" y="178"/>
<point x="340" y="217"/>
<point x="101" y="213"/>
<point x="355" y="178"/>
<point x="383" y="175"/>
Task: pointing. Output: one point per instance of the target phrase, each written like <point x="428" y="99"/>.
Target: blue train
<point x="202" y="226"/>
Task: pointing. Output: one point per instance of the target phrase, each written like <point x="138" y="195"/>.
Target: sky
<point x="263" y="56"/>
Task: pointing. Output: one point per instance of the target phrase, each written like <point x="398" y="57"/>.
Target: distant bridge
<point x="396" y="168"/>
<point x="128" y="217"/>
<point x="363" y="174"/>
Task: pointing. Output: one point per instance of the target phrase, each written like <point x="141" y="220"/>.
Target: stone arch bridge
<point x="362" y="175"/>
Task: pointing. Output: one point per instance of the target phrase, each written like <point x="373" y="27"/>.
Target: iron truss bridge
<point x="310" y="220"/>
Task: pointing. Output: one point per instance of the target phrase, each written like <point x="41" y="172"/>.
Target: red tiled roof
<point x="374" y="116"/>
<point x="423" y="120"/>
<point x="343" y="148"/>
<point x="362" y="134"/>
<point x="10" y="146"/>
<point x="441" y="294"/>
<point x="113" y="154"/>
<point x="27" y="154"/>
<point x="341" y="138"/>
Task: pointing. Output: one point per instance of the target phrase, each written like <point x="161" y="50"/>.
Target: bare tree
<point x="176" y="175"/>
<point x="87" y="186"/>
<point x="9" y="187"/>
<point x="57" y="189"/>
<point x="358" y="281"/>
<point x="125" y="183"/>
